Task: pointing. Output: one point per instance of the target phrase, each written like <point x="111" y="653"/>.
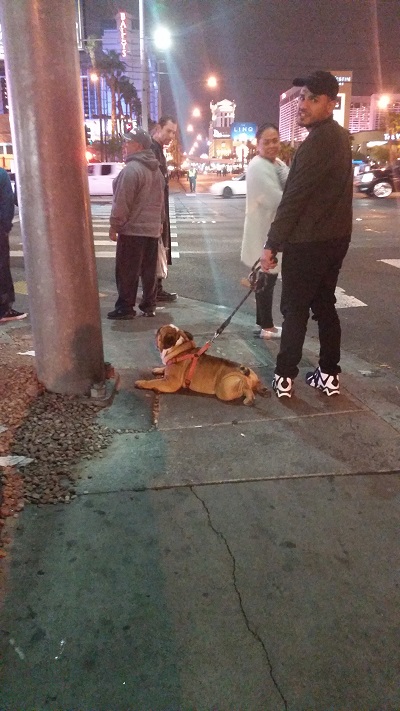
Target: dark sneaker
<point x="282" y="387"/>
<point x="329" y="384"/>
<point x="166" y="296"/>
<point x="12" y="315"/>
<point x="117" y="315"/>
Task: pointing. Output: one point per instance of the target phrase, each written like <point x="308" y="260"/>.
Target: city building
<point x="222" y="118"/>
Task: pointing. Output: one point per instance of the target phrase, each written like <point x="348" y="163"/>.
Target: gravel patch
<point x="56" y="431"/>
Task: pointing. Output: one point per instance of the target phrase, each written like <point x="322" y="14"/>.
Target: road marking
<point x="392" y="262"/>
<point x="344" y="301"/>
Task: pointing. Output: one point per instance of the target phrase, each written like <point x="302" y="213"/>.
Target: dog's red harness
<point x="194" y="357"/>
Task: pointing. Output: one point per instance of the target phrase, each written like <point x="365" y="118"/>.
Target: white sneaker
<point x="266" y="333"/>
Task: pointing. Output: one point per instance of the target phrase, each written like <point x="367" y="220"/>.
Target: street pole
<point x="143" y="68"/>
<point x="46" y="115"/>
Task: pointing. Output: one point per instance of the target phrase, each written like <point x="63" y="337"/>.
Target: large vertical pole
<point x="46" y="115"/>
<point x="143" y="68"/>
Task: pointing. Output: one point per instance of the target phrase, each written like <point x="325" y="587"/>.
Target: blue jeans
<point x="310" y="273"/>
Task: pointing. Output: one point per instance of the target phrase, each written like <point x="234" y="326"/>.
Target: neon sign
<point x="122" y="32"/>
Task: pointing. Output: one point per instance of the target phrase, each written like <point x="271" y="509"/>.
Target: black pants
<point x="309" y="277"/>
<point x="136" y="257"/>
<point x="7" y="296"/>
<point x="264" y="300"/>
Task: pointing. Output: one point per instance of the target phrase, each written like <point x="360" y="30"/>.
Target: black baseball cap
<point x="320" y="83"/>
<point x="138" y="135"/>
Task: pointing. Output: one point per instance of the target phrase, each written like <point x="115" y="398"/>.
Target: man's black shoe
<point x="166" y="296"/>
<point x="117" y="315"/>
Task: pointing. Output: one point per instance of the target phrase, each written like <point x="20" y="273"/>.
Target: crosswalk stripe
<point x="392" y="262"/>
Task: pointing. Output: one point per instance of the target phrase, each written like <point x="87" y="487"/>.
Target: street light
<point x="212" y="82"/>
<point x="162" y="38"/>
<point x="198" y="137"/>
<point x="190" y="128"/>
<point x="384" y="102"/>
<point x="196" y="113"/>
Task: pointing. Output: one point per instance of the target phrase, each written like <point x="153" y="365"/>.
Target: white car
<point x="101" y="176"/>
<point x="227" y="188"/>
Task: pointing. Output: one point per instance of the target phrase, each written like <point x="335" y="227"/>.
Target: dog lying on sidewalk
<point x="201" y="373"/>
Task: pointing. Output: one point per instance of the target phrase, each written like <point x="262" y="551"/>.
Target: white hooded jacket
<point x="264" y="192"/>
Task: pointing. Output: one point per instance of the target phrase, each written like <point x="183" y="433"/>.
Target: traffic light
<point x="128" y="126"/>
<point x="88" y="135"/>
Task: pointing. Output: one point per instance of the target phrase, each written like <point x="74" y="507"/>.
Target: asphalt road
<point x="206" y="266"/>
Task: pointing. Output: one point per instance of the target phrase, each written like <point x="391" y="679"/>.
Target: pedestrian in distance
<point x="163" y="134"/>
<point x="136" y="219"/>
<point x="192" y="175"/>
<point x="7" y="294"/>
<point x="312" y="228"/>
<point x="265" y="177"/>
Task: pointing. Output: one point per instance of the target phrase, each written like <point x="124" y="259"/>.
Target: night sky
<point x="256" y="48"/>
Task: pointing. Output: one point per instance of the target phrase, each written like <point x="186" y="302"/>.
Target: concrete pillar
<point x="46" y="114"/>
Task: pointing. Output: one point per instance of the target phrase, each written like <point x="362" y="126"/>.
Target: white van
<point x="101" y="176"/>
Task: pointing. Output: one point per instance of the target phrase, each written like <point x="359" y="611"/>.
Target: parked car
<point x="101" y="176"/>
<point x="379" y="182"/>
<point x="227" y="188"/>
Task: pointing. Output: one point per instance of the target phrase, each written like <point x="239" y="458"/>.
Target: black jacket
<point x="316" y="205"/>
<point x="6" y="202"/>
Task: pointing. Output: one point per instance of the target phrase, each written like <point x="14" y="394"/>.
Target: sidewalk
<point x="226" y="558"/>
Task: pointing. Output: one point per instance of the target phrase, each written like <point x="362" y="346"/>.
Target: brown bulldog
<point x="185" y="365"/>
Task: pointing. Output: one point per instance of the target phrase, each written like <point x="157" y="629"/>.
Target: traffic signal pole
<point x="46" y="116"/>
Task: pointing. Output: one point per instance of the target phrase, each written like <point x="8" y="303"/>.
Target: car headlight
<point x="367" y="177"/>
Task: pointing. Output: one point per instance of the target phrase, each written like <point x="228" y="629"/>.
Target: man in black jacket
<point x="312" y="228"/>
<point x="163" y="134"/>
<point x="7" y="296"/>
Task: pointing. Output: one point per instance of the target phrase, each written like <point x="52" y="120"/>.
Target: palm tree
<point x="126" y="92"/>
<point x="93" y="46"/>
<point x="112" y="68"/>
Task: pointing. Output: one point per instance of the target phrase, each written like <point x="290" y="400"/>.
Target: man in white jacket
<point x="266" y="176"/>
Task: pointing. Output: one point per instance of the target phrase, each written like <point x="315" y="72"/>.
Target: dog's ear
<point x="189" y="335"/>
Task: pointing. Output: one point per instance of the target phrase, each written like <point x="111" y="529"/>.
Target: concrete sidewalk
<point x="228" y="558"/>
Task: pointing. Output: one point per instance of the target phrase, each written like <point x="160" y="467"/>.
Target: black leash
<point x="254" y="287"/>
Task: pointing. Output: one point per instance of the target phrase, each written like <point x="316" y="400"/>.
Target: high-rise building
<point x="222" y="117"/>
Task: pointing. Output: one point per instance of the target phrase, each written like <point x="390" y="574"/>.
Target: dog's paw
<point x="158" y="371"/>
<point x="264" y="392"/>
<point x="141" y="384"/>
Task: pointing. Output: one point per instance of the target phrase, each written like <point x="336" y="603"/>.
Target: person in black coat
<point x="7" y="295"/>
<point x="162" y="136"/>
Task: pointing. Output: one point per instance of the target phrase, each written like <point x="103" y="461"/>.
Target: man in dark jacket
<point x="163" y="134"/>
<point x="136" y="219"/>
<point x="312" y="228"/>
<point x="7" y="295"/>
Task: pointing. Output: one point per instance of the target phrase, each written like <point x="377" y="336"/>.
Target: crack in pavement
<point x="235" y="585"/>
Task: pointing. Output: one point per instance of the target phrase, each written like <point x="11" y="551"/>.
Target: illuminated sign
<point x="391" y="136"/>
<point x="220" y="134"/>
<point x="243" y="131"/>
<point x="122" y="32"/>
<point x="338" y="111"/>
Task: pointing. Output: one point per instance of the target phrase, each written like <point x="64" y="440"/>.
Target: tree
<point x="128" y="93"/>
<point x="93" y="47"/>
<point x="393" y="128"/>
<point x="112" y="69"/>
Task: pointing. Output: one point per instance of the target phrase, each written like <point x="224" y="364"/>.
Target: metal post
<point x="46" y="115"/>
<point x="143" y="68"/>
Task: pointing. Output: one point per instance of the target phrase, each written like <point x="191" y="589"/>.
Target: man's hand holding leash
<point x="268" y="260"/>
